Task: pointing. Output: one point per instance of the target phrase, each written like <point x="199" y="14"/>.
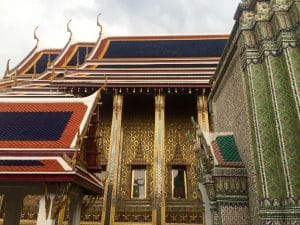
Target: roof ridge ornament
<point x="14" y="78"/>
<point x="79" y="140"/>
<point x="52" y="74"/>
<point x="65" y="72"/>
<point x="34" y="75"/>
<point x="7" y="69"/>
<point x="102" y="88"/>
<point x="36" y="37"/>
<point x="48" y="61"/>
<point x="99" y="25"/>
<point x="69" y="30"/>
<point x="77" y="59"/>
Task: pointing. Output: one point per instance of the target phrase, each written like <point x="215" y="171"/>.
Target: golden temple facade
<point x="162" y="130"/>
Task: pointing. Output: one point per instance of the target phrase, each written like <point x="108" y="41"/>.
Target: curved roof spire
<point x="7" y="69"/>
<point x="99" y="25"/>
<point x="69" y="30"/>
<point x="29" y="56"/>
<point x="36" y="37"/>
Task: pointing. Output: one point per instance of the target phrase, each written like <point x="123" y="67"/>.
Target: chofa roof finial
<point x="99" y="25"/>
<point x="35" y="36"/>
<point x="68" y="28"/>
<point x="7" y="68"/>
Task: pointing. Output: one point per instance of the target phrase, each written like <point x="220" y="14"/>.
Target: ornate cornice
<point x="267" y="29"/>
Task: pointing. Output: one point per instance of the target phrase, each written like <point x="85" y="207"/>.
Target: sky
<point x="18" y="19"/>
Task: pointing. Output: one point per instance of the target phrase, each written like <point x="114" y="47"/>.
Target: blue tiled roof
<point x="159" y="65"/>
<point x="32" y="126"/>
<point x="21" y="163"/>
<point x="163" y="74"/>
<point x="41" y="64"/>
<point x="165" y="48"/>
<point x="82" y="51"/>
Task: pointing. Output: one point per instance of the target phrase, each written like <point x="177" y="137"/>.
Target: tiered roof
<point x="42" y="121"/>
<point x="39" y="125"/>
<point x="40" y="138"/>
<point x="128" y="62"/>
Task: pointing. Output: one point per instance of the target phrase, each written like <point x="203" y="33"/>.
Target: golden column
<point x="109" y="199"/>
<point x="158" y="213"/>
<point x="202" y="112"/>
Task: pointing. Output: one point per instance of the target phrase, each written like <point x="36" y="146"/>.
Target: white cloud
<point x="18" y="19"/>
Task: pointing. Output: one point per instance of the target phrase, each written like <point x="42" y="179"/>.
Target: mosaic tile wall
<point x="235" y="215"/>
<point x="232" y="100"/>
<point x="266" y="42"/>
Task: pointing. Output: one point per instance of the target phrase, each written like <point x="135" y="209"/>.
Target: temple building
<point x="161" y="130"/>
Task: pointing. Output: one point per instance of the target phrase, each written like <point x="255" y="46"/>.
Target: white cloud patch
<point x="18" y="19"/>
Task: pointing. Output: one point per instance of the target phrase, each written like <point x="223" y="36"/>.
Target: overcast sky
<point x="18" y="18"/>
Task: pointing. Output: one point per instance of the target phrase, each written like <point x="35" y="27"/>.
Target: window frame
<point x="133" y="168"/>
<point x="173" y="168"/>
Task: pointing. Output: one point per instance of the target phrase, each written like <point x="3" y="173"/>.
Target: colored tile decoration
<point x="228" y="148"/>
<point x="21" y="163"/>
<point x="32" y="126"/>
<point x="42" y="63"/>
<point x="226" y="151"/>
<point x="39" y="125"/>
<point x="165" y="48"/>
<point x="232" y="214"/>
<point x="80" y="54"/>
<point x="30" y="166"/>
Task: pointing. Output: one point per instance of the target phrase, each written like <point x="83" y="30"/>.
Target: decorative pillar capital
<point x="159" y="102"/>
<point x="118" y="103"/>
<point x="202" y="109"/>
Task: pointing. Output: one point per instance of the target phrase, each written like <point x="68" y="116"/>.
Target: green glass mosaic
<point x="288" y="119"/>
<point x="254" y="143"/>
<point x="267" y="132"/>
<point x="295" y="59"/>
<point x="228" y="148"/>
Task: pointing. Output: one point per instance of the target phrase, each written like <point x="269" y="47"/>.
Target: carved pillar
<point x="158" y="214"/>
<point x="288" y="21"/>
<point x="44" y="214"/>
<point x="75" y="206"/>
<point x="271" y="68"/>
<point x="286" y="120"/>
<point x="280" y="92"/>
<point x="264" y="133"/>
<point x="13" y="207"/>
<point x="292" y="57"/>
<point x="202" y="112"/>
<point x="282" y="81"/>
<point x="1" y="202"/>
<point x="109" y="199"/>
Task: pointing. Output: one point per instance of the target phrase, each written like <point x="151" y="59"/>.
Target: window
<point x="179" y="182"/>
<point x="138" y="182"/>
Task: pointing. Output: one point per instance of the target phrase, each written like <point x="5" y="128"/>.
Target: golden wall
<point x="153" y="135"/>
